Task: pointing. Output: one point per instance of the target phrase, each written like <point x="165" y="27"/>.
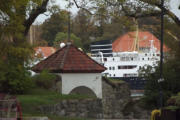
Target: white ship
<point x="124" y="64"/>
<point x="125" y="56"/>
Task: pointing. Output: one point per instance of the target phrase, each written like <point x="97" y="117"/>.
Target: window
<point x="123" y="67"/>
<point x="135" y="75"/>
<point x="109" y="68"/>
<point x="145" y="54"/>
<point x="113" y="68"/>
<point x="114" y="75"/>
<point x="105" y="59"/>
<point x="127" y="67"/>
<point x="123" y="58"/>
<point x="130" y="75"/>
<point x="113" y="59"/>
<point x="153" y="55"/>
<point x="142" y="58"/>
<point x="124" y="75"/>
<point x="148" y="58"/>
<point x="119" y="67"/>
<point x="132" y="59"/>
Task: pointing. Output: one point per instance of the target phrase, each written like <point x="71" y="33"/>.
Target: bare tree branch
<point x="34" y="14"/>
<point x="166" y="11"/>
<point x="82" y="8"/>
<point x="140" y="15"/>
<point x="173" y="16"/>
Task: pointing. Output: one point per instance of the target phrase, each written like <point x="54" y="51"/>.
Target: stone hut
<point x="79" y="73"/>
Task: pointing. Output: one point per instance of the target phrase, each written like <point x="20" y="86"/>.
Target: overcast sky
<point x="62" y="4"/>
<point x="173" y="4"/>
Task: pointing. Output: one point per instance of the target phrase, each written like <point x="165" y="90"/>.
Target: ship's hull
<point x="135" y="83"/>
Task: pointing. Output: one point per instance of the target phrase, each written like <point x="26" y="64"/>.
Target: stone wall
<point x="83" y="108"/>
<point x="115" y="97"/>
<point x="134" y="110"/>
<point x="116" y="104"/>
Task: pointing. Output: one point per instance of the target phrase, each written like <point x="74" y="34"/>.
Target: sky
<point x="62" y="3"/>
<point x="174" y="7"/>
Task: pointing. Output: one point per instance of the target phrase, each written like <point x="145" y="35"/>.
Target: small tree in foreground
<point x="170" y="85"/>
<point x="44" y="80"/>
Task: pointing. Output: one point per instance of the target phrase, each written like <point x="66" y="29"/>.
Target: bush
<point x="169" y="86"/>
<point x="14" y="78"/>
<point x="174" y="100"/>
<point x="44" y="79"/>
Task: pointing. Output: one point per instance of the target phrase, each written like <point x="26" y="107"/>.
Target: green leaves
<point x="62" y="37"/>
<point x="44" y="80"/>
<point x="58" y="22"/>
<point x="170" y="85"/>
<point x="14" y="49"/>
<point x="14" y="78"/>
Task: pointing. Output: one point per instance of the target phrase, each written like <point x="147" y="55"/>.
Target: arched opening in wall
<point x="83" y="90"/>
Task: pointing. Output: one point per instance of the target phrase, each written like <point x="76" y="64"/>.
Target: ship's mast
<point x="135" y="46"/>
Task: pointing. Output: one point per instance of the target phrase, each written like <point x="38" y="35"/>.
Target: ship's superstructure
<point x="123" y="64"/>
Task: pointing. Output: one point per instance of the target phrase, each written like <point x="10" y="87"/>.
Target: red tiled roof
<point x="126" y="42"/>
<point x="45" y="51"/>
<point x="69" y="59"/>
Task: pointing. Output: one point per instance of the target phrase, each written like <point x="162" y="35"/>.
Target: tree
<point x="14" y="78"/>
<point x="58" y="22"/>
<point x="63" y="38"/>
<point x="83" y="26"/>
<point x="44" y="80"/>
<point x="35" y="36"/>
<point x="136" y="9"/>
<point x="115" y="29"/>
<point x="16" y="17"/>
<point x="170" y="85"/>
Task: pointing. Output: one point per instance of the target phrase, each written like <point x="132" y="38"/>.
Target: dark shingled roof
<point x="69" y="59"/>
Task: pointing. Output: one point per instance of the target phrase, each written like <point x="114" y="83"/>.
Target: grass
<point x="64" y="118"/>
<point x="173" y="108"/>
<point x="52" y="117"/>
<point x="116" y="80"/>
<point x="38" y="97"/>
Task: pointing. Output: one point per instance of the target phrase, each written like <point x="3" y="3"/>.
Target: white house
<point x="79" y="73"/>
